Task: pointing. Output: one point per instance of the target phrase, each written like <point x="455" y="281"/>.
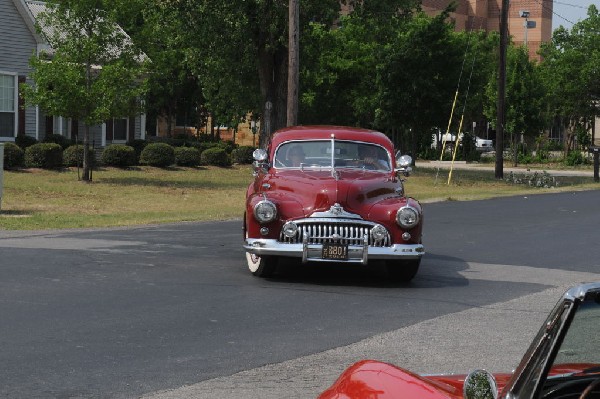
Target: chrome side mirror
<point x="480" y="384"/>
<point x="260" y="163"/>
<point x="404" y="163"/>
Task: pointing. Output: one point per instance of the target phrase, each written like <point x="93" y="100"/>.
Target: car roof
<point x="320" y="132"/>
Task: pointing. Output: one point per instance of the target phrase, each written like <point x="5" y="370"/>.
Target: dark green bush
<point x="215" y="156"/>
<point x="242" y="155"/>
<point x="204" y="145"/>
<point x="44" y="155"/>
<point x="13" y="156"/>
<point x="25" y="141"/>
<point x="158" y="154"/>
<point x="575" y="158"/>
<point x="187" y="156"/>
<point x="63" y="141"/>
<point x="119" y="155"/>
<point x="138" y="145"/>
<point x="73" y="155"/>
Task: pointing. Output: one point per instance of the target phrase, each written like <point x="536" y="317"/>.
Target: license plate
<point x="335" y="251"/>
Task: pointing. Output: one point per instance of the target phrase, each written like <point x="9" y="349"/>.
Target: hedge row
<point x="52" y="155"/>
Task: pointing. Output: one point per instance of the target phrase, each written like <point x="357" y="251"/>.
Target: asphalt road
<point x="171" y="311"/>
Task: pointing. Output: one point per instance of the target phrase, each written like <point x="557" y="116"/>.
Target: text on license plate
<point x="335" y="251"/>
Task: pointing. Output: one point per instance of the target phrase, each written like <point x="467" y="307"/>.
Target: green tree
<point x="571" y="75"/>
<point x="524" y="97"/>
<point x="92" y="72"/>
<point x="340" y="63"/>
<point x="417" y="79"/>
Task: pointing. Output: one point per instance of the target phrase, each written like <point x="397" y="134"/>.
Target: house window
<point x="120" y="130"/>
<point x="7" y="105"/>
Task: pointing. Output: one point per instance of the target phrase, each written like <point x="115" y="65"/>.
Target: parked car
<point x="331" y="194"/>
<point x="483" y="144"/>
<point x="563" y="362"/>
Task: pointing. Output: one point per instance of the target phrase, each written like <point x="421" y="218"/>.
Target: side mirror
<point x="403" y="162"/>
<point x="260" y="163"/>
<point x="480" y="384"/>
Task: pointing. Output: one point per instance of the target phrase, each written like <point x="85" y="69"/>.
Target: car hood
<point x="370" y="378"/>
<point x="317" y="191"/>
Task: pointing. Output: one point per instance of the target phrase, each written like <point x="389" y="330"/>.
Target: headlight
<point x="265" y="211"/>
<point x="407" y="217"/>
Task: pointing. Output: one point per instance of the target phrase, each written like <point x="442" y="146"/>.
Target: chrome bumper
<point x="312" y="252"/>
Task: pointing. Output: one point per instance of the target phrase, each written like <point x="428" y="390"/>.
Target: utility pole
<point x="293" y="62"/>
<point x="501" y="91"/>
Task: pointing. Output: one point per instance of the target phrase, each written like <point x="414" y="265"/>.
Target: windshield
<point x="318" y="154"/>
<point x="581" y="345"/>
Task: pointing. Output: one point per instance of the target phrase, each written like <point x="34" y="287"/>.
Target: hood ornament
<point x="336" y="211"/>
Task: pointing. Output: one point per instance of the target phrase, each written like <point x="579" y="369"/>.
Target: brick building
<point x="485" y="15"/>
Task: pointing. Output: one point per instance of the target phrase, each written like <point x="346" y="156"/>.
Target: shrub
<point x="13" y="156"/>
<point x="25" y="141"/>
<point x="73" y="155"/>
<point x="242" y="155"/>
<point x="44" y="155"/>
<point x="158" y="154"/>
<point x="63" y="141"/>
<point x="575" y="158"/>
<point x="187" y="156"/>
<point x="215" y="156"/>
<point x="138" y="145"/>
<point x="119" y="155"/>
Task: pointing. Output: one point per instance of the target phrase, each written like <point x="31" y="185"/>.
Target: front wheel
<point x="261" y="266"/>
<point x="403" y="271"/>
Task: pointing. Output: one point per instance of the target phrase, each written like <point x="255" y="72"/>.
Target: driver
<point x="370" y="158"/>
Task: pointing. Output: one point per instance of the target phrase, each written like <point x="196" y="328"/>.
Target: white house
<point x="19" y="41"/>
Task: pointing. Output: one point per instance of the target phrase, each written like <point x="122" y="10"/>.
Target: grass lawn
<point x="40" y="199"/>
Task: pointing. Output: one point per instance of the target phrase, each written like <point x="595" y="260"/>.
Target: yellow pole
<point x="449" y="123"/>
<point x="455" y="148"/>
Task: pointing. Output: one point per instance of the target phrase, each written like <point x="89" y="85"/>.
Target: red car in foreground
<point x="331" y="194"/>
<point x="563" y="362"/>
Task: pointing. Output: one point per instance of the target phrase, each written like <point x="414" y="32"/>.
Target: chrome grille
<point x="319" y="232"/>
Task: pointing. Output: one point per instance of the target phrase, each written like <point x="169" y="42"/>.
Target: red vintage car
<point x="331" y="194"/>
<point x="562" y="362"/>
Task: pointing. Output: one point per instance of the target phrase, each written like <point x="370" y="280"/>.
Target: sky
<point x="571" y="10"/>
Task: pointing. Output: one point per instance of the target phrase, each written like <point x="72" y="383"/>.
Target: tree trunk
<point x="86" y="157"/>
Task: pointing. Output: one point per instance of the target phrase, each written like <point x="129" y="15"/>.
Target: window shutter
<point x="21" y="108"/>
<point x="109" y="130"/>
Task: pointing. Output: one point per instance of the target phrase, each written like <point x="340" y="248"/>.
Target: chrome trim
<point x="312" y="252"/>
<point x="349" y="231"/>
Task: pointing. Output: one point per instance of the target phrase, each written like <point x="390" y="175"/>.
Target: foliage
<point x="95" y="72"/>
<point x="187" y="156"/>
<point x="524" y="97"/>
<point x="44" y="155"/>
<point x="73" y="155"/>
<point x="61" y="140"/>
<point x="571" y="75"/>
<point x="25" y="141"/>
<point x="417" y="77"/>
<point x="575" y="158"/>
<point x="242" y="155"/>
<point x="158" y="154"/>
<point x="13" y="156"/>
<point x="339" y="66"/>
<point x="119" y="155"/>
<point x="215" y="156"/>
<point x="138" y="145"/>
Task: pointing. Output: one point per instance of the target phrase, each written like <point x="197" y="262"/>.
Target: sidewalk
<point x="446" y="165"/>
